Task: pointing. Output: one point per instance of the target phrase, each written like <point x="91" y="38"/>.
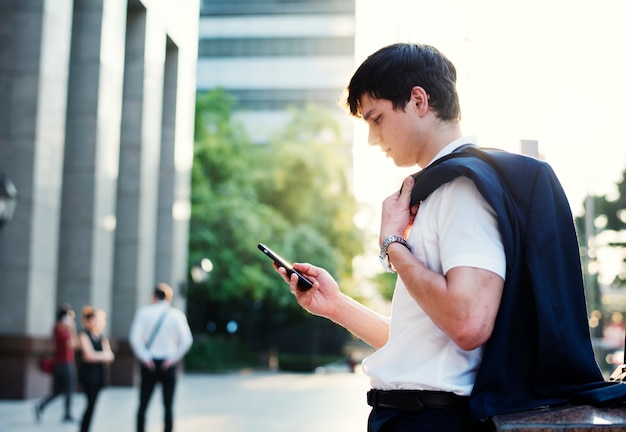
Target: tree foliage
<point x="611" y="210"/>
<point x="291" y="194"/>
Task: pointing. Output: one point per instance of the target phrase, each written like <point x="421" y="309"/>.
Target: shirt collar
<point x="470" y="139"/>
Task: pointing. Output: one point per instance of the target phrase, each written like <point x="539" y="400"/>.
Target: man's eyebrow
<point x="368" y="114"/>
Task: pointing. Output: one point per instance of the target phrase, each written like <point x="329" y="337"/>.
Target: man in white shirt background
<point x="160" y="337"/>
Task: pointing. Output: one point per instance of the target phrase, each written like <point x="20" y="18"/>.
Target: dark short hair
<point x="392" y="72"/>
<point x="163" y="292"/>
<point x="63" y="311"/>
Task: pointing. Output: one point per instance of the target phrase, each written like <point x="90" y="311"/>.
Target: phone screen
<point x="303" y="283"/>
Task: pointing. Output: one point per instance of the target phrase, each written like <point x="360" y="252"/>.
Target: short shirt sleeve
<point x="460" y="229"/>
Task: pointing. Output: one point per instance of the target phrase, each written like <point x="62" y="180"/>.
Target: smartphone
<point x="303" y="283"/>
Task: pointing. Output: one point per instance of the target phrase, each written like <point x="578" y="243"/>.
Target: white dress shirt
<point x="454" y="227"/>
<point x="172" y="340"/>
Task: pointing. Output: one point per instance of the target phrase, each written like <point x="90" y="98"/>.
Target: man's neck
<point x="442" y="134"/>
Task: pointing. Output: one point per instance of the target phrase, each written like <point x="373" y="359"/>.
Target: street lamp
<point x="8" y="200"/>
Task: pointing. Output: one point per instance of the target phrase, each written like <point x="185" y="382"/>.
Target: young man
<point x="159" y="336"/>
<point x="456" y="264"/>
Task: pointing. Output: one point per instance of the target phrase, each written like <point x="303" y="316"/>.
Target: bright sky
<point x="552" y="71"/>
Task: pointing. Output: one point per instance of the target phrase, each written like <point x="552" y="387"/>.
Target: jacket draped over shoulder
<point x="540" y="351"/>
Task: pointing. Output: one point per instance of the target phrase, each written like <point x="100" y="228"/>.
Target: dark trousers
<point x="64" y="379"/>
<point x="426" y="420"/>
<point x="149" y="379"/>
<point x="91" y="391"/>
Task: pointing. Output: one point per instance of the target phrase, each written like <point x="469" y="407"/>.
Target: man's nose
<point x="372" y="137"/>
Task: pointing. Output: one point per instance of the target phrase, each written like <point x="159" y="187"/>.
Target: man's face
<point x="396" y="132"/>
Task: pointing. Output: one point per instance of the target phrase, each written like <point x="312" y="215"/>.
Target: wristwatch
<point x="384" y="257"/>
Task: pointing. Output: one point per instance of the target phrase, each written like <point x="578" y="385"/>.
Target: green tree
<point x="386" y="283"/>
<point x="291" y="194"/>
<point x="614" y="210"/>
<point x="602" y="213"/>
<point x="309" y="187"/>
<point x="611" y="211"/>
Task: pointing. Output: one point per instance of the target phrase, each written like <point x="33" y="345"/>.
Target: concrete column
<point x="164" y="259"/>
<point x="34" y="55"/>
<point x="174" y="188"/>
<point x="137" y="193"/>
<point x="187" y="54"/>
<point x="92" y="153"/>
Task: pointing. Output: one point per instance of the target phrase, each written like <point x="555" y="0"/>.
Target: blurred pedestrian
<point x="96" y="357"/>
<point x="64" y="373"/>
<point x="159" y="336"/>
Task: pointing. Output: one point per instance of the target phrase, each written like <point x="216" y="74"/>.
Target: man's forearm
<point x="363" y="322"/>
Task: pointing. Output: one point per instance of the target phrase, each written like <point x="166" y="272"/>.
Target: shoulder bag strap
<point x="156" y="328"/>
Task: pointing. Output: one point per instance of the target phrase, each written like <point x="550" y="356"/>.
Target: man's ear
<point x="419" y="98"/>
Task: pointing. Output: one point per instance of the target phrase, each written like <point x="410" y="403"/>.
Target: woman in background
<point x="96" y="357"/>
<point x="64" y="373"/>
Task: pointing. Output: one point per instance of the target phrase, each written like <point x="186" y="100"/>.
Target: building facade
<point x="97" y="101"/>
<point x="276" y="54"/>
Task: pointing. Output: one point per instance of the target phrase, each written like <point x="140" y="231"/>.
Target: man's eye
<point x="377" y="119"/>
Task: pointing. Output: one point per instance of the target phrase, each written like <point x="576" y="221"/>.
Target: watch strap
<point x="384" y="256"/>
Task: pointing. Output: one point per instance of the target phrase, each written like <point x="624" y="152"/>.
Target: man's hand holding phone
<point x="303" y="283"/>
<point x="324" y="299"/>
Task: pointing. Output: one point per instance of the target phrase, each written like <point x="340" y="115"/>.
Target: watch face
<point x="384" y="261"/>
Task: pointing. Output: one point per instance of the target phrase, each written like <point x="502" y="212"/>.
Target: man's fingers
<point x="407" y="187"/>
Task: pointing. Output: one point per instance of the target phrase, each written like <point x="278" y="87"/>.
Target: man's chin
<point x="402" y="163"/>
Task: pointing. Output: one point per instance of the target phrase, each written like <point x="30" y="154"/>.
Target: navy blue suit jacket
<point x="540" y="351"/>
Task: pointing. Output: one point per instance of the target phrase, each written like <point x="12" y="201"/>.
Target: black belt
<point x="415" y="400"/>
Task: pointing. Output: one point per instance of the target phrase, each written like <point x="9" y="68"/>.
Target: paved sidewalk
<point x="242" y="402"/>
